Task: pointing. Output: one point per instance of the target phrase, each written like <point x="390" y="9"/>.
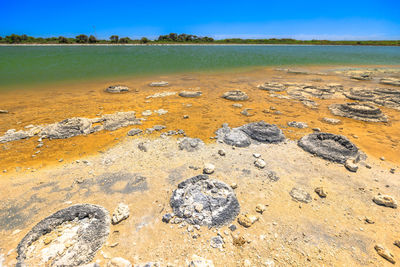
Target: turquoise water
<point x="39" y="64"/>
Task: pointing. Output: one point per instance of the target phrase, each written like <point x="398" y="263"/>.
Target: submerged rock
<point x="69" y="237"/>
<point x="134" y="131"/>
<point x="329" y="146"/>
<point x="2" y="111"/>
<point x="331" y="120"/>
<point x="360" y="94"/>
<point x="235" y="95"/>
<point x="272" y="86"/>
<point x="190" y="93"/>
<point x="218" y="201"/>
<point x="297" y="124"/>
<point x="359" y="111"/>
<point x="159" y="84"/>
<point x="117" y="89"/>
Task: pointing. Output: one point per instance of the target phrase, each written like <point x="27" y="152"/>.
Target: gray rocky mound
<point x="359" y="111"/>
<point x="254" y="132"/>
<point x="235" y="95"/>
<point x="78" y="232"/>
<point x="390" y="81"/>
<point x="67" y="128"/>
<point x="203" y="201"/>
<point x="336" y="148"/>
<point x="190" y="93"/>
<point x="263" y="132"/>
<point x="190" y="144"/>
<point x="360" y="94"/>
<point x="272" y="86"/>
<point x="117" y="89"/>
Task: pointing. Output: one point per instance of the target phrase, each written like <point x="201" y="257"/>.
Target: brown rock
<point x="384" y="253"/>
<point x="260" y="208"/>
<point x="238" y="241"/>
<point x="397" y="243"/>
<point x="320" y="192"/>
<point x="247" y="220"/>
<point x="385" y="200"/>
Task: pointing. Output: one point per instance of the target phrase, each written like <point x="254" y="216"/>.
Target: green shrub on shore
<point x="183" y="38"/>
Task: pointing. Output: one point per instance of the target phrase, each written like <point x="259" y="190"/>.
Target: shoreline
<point x="199" y="44"/>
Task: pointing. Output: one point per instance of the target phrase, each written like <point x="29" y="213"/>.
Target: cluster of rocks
<point x="255" y="132"/>
<point x="74" y="127"/>
<point x="359" y="111"/>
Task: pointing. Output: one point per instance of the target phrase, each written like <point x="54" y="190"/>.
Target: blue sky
<point x="322" y="19"/>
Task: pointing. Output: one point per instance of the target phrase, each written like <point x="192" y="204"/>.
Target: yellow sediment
<point x="53" y="103"/>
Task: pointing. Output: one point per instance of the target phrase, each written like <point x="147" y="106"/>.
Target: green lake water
<point x="21" y="65"/>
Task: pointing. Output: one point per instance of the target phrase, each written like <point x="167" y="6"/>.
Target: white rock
<point x="120" y="213"/>
<point x="119" y="262"/>
<point x="260" y="163"/>
<point x="208" y="168"/>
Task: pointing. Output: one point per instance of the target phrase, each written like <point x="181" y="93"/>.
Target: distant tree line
<point x="176" y="38"/>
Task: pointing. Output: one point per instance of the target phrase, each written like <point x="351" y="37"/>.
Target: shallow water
<point x="26" y="65"/>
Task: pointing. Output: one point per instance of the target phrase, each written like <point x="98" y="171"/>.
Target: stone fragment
<point x="134" y="131"/>
<point x="397" y="243"/>
<point x="300" y="195"/>
<point x="119" y="262"/>
<point x="117" y="89"/>
<point x="385" y="200"/>
<point x="384" y="253"/>
<point x="260" y="163"/>
<point x="247" y="220"/>
<point x="351" y="165"/>
<point x="208" y="168"/>
<point x="167" y="217"/>
<point x="331" y="121"/>
<point x="260" y="208"/>
<point x="297" y="124"/>
<point x="190" y="93"/>
<point x="221" y="152"/>
<point x="197" y="261"/>
<point x="235" y="95"/>
<point x="159" y="84"/>
<point x="120" y="213"/>
<point x="2" y="111"/>
<point x="217" y="242"/>
<point x="320" y="192"/>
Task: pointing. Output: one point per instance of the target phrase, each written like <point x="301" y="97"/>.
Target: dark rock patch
<point x="203" y="201"/>
<point x="84" y="227"/>
<point x="336" y="148"/>
<point x="358" y="111"/>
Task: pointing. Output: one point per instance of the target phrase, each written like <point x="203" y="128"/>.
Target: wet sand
<point x="54" y="103"/>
